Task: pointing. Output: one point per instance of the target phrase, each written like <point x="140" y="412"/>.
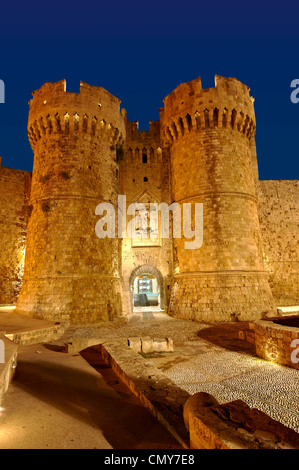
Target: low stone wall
<point x="235" y="425"/>
<point x="34" y="336"/>
<point x="7" y="368"/>
<point x="162" y="397"/>
<point x="275" y="342"/>
<point x="12" y="341"/>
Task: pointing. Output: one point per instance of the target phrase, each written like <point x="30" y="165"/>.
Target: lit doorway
<point x="146" y="291"/>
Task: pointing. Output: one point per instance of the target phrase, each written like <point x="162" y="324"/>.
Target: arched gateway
<point x="147" y="287"/>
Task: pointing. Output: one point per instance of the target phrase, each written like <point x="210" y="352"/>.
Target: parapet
<point x="133" y="131"/>
<point x="53" y="109"/>
<point x="190" y="106"/>
<point x="145" y="143"/>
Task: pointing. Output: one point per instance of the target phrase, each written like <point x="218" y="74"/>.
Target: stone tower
<point x="70" y="274"/>
<point x="209" y="134"/>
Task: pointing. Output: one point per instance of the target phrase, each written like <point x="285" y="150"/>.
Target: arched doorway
<point x="147" y="288"/>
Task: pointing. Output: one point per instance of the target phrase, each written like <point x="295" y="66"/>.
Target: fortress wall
<point x="14" y="196"/>
<point x="201" y="150"/>
<point x="133" y="171"/>
<point x="279" y="220"/>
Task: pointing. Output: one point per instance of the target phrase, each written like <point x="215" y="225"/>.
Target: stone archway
<point x="146" y="268"/>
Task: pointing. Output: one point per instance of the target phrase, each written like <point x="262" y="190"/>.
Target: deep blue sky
<point x="140" y="51"/>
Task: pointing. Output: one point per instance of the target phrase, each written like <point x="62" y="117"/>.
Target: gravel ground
<point x="198" y="365"/>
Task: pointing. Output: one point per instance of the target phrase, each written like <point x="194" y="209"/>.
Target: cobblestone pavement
<point x="226" y="368"/>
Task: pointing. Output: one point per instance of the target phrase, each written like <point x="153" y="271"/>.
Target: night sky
<point x="140" y="51"/>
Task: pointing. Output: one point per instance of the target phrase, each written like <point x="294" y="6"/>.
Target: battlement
<point x="190" y="107"/>
<point x="93" y="110"/>
<point x="143" y="145"/>
<point x="91" y="95"/>
<point x="133" y="131"/>
<point x="226" y="88"/>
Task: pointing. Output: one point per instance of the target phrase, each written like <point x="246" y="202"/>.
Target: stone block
<point x="147" y="344"/>
<point x="235" y="425"/>
<point x="162" y="344"/>
<point x="135" y="344"/>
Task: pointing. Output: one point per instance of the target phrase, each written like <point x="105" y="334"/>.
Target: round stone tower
<point x="71" y="274"/>
<point x="209" y="134"/>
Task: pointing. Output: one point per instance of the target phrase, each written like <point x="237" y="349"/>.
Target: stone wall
<point x="274" y="342"/>
<point x="279" y="220"/>
<point x="235" y="425"/>
<point x="14" y="196"/>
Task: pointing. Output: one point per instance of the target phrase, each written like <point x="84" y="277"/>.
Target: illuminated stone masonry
<point x="201" y="150"/>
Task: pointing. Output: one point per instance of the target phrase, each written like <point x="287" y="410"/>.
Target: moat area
<point x="61" y="400"/>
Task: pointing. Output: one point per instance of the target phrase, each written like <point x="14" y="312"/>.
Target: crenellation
<point x="201" y="150"/>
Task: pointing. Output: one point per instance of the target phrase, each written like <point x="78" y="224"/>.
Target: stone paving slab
<point x="11" y="322"/>
<point x="26" y="330"/>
